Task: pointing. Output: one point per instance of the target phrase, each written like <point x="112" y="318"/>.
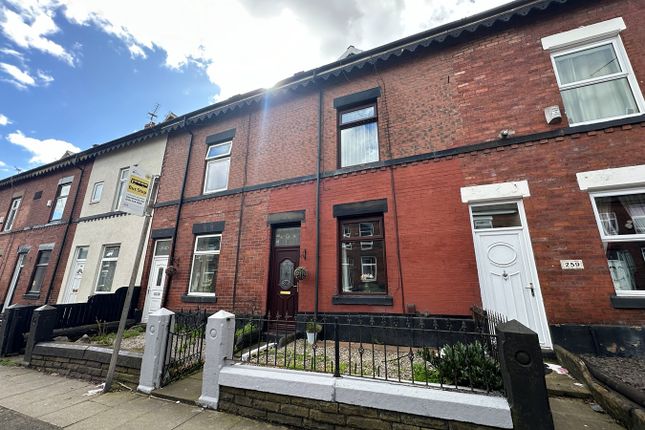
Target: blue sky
<point x="74" y="73"/>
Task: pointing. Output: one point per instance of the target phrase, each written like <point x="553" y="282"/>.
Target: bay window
<point x="203" y="274"/>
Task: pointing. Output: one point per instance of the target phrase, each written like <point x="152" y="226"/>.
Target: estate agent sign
<point x="136" y="193"/>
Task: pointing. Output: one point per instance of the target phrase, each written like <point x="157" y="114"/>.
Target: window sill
<point x="188" y="298"/>
<point x="31" y="296"/>
<point x="362" y="300"/>
<point x="628" y="302"/>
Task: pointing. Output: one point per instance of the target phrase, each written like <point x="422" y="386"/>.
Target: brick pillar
<point x="220" y="334"/>
<point x="154" y="352"/>
<point x="43" y="323"/>
<point x="523" y="375"/>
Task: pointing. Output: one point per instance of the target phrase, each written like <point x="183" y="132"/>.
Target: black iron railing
<point x="445" y="354"/>
<point x="486" y="320"/>
<point x="185" y="345"/>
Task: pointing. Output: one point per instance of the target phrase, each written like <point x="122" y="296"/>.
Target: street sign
<point x="136" y="192"/>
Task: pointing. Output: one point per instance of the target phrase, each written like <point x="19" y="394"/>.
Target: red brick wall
<point x="440" y="98"/>
<point x="31" y="228"/>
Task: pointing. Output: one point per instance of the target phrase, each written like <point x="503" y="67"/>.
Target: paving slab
<point x="167" y="416"/>
<point x="565" y="385"/>
<point x="185" y="390"/>
<point x="116" y="417"/>
<point x="570" y="413"/>
<point x="74" y="413"/>
<point x="16" y="421"/>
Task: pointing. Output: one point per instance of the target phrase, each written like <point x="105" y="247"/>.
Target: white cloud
<point x="23" y="79"/>
<point x="243" y="44"/>
<point x="31" y="25"/>
<point x="4" y="120"/>
<point x="44" y="151"/>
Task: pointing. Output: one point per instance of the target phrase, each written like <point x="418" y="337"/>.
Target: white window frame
<point x="103" y="258"/>
<point x="617" y="238"/>
<point x="217" y="159"/>
<point x="591" y="37"/>
<point x="59" y="197"/>
<point x="192" y="266"/>
<point x="13" y="213"/>
<point x="365" y="264"/>
<point x="95" y="187"/>
<point x="120" y="187"/>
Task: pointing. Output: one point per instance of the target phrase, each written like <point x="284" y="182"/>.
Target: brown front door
<point x="285" y="255"/>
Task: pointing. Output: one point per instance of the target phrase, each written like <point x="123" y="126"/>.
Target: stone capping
<point x="88" y="352"/>
<point x="496" y="191"/>
<point x="480" y="409"/>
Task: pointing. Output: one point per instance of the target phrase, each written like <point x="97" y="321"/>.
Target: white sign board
<point x="571" y="264"/>
<point x="135" y="195"/>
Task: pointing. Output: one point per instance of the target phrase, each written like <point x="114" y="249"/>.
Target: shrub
<point x="313" y="327"/>
<point x="465" y="365"/>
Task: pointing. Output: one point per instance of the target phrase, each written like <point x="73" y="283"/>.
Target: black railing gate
<point x="185" y="345"/>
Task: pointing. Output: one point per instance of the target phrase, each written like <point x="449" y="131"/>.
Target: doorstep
<point x="559" y="385"/>
<point x="186" y="390"/>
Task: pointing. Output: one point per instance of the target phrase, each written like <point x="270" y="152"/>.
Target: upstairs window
<point x="61" y="200"/>
<point x="358" y="135"/>
<point x="13" y="211"/>
<point x="362" y="256"/>
<point x="620" y="216"/>
<point x="97" y="192"/>
<point x="124" y="174"/>
<point x="594" y="75"/>
<point x="38" y="278"/>
<point x="218" y="161"/>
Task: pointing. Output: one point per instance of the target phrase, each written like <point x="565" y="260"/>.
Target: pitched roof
<point x="346" y="64"/>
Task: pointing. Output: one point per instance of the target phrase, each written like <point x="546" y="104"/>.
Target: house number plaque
<point x="571" y="264"/>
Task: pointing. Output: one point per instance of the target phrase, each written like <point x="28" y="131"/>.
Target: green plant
<point x="313" y="327"/>
<point x="248" y="328"/>
<point x="7" y="362"/>
<point x="465" y="365"/>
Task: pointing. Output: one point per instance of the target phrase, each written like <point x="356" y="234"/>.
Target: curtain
<point x="635" y="206"/>
<point x="359" y="144"/>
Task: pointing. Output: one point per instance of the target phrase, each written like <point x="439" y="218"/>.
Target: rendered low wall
<point x="85" y="361"/>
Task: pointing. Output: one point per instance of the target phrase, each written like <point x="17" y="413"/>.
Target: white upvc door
<point x="156" y="281"/>
<point x="20" y="263"/>
<point x="76" y="275"/>
<point x="507" y="274"/>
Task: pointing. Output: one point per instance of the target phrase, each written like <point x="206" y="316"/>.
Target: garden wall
<point x="318" y="414"/>
<point x="85" y="361"/>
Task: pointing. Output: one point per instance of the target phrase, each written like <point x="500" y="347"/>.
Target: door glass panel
<point x="496" y="216"/>
<point x="159" y="276"/>
<point x="286" y="274"/>
<point x="162" y="248"/>
<point x="82" y="253"/>
<point x="287" y="236"/>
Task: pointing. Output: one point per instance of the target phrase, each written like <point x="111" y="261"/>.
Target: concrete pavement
<point x="33" y="400"/>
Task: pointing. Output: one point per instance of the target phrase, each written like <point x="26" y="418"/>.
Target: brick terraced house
<point x="40" y="213"/>
<point x="496" y="160"/>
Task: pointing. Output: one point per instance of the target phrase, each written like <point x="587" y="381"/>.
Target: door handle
<point x="530" y="287"/>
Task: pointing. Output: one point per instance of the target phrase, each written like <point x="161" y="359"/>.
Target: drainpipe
<point x="69" y="222"/>
<point x="241" y="217"/>
<point x="171" y="258"/>
<point x="318" y="167"/>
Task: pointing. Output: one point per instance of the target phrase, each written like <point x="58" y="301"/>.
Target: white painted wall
<point x="123" y="229"/>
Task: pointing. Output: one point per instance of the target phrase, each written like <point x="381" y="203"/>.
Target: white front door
<point x="157" y="278"/>
<point x="20" y="263"/>
<point x="507" y="274"/>
<point x="76" y="274"/>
